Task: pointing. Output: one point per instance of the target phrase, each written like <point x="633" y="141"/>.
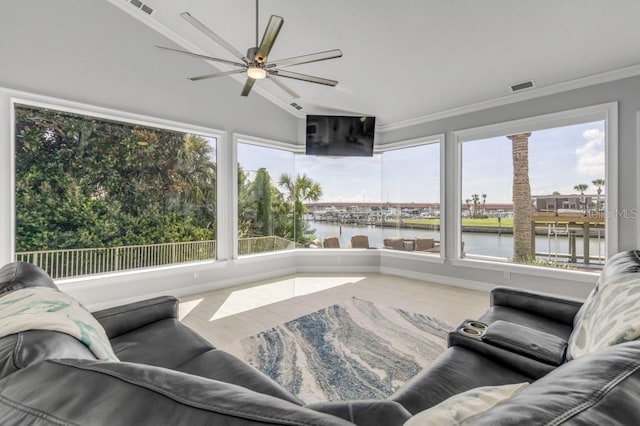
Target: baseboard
<point x="349" y="269"/>
<point x="438" y="279"/>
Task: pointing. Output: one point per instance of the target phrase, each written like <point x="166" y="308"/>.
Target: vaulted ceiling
<point x="411" y="58"/>
<point x="402" y="60"/>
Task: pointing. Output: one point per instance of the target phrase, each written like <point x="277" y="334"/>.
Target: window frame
<point x="8" y="101"/>
<point x="438" y="138"/>
<point x="261" y="142"/>
<point x="607" y="112"/>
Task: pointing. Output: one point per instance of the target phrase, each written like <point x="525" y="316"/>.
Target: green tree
<point x="262" y="191"/>
<point x="581" y="187"/>
<point x="476" y="204"/>
<point x="484" y="204"/>
<point x="83" y="182"/>
<point x="599" y="184"/>
<point x="299" y="191"/>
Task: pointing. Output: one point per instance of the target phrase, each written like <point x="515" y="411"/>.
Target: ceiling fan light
<point x="256" y="73"/>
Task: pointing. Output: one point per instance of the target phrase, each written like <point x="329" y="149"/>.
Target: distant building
<point x="552" y="203"/>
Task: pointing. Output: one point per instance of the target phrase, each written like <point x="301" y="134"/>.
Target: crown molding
<point x="537" y="92"/>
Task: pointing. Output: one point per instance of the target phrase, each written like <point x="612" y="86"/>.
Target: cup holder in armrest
<point x="472" y="328"/>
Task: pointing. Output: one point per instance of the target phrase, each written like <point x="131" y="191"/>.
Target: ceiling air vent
<point x="296" y="106"/>
<point x="146" y="9"/>
<point x="522" y="86"/>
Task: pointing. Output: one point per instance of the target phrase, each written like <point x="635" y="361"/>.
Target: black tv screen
<point x="340" y="135"/>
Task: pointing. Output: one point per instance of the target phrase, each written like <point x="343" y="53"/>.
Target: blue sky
<point x="559" y="159"/>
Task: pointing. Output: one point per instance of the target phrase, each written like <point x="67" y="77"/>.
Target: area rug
<point x="351" y="350"/>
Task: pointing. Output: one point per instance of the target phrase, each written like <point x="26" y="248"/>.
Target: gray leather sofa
<point x="170" y="375"/>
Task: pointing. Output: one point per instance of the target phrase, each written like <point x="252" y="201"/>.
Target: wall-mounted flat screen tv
<point x="340" y="135"/>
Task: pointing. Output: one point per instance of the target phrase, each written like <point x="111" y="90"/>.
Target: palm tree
<point x="299" y="191"/>
<point x="476" y="203"/>
<point x="522" y="207"/>
<point x="599" y="184"/>
<point x="484" y="203"/>
<point x="468" y="203"/>
<point x="581" y="187"/>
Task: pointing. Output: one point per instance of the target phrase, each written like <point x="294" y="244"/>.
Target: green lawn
<point x="492" y="222"/>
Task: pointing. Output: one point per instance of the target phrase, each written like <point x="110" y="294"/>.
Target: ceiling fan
<point x="255" y="63"/>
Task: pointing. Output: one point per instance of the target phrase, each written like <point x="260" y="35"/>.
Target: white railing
<point x="264" y="244"/>
<point x="68" y="263"/>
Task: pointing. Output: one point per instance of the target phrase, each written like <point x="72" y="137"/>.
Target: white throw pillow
<point x="465" y="405"/>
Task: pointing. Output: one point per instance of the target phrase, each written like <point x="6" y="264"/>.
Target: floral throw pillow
<point x="43" y="308"/>
<point x="610" y="316"/>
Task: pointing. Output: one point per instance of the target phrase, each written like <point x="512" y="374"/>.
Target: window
<point x="346" y="214"/>
<point x="390" y="200"/>
<point x="269" y="216"/>
<point x="540" y="197"/>
<point x="94" y="195"/>
<point x="410" y="211"/>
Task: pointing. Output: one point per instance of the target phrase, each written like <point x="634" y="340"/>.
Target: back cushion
<point x="598" y="389"/>
<point x="17" y="275"/>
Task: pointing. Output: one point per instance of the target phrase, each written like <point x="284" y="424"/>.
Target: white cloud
<point x="590" y="156"/>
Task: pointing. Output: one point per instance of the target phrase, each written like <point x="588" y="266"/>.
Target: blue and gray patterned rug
<point x="352" y="350"/>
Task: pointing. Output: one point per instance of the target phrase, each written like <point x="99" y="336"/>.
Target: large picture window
<point x="94" y="195"/>
<point x="390" y="200"/>
<point x="347" y="213"/>
<point x="267" y="207"/>
<point x="410" y="211"/>
<point x="537" y="197"/>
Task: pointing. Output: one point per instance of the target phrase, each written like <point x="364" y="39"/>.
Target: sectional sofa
<point x="156" y="371"/>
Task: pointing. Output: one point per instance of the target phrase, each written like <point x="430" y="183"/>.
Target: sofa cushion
<point x="610" y="316"/>
<point x="107" y="393"/>
<point x="456" y="370"/>
<point x="41" y="308"/>
<point x="219" y="365"/>
<point x="166" y="343"/>
<point x="17" y="275"/>
<point x="465" y="405"/>
<point x="597" y="389"/>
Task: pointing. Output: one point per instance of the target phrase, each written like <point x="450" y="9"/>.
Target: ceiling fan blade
<point x="303" y="77"/>
<point x="283" y="86"/>
<point x="196" y="55"/>
<point x="247" y="86"/>
<point x="269" y="37"/>
<point x="215" y="37"/>
<point x="305" y="59"/>
<point x="217" y="74"/>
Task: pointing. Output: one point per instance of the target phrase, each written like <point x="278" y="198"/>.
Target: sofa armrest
<point x="526" y="341"/>
<point x="520" y="364"/>
<point x="560" y="309"/>
<point x="122" y="319"/>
